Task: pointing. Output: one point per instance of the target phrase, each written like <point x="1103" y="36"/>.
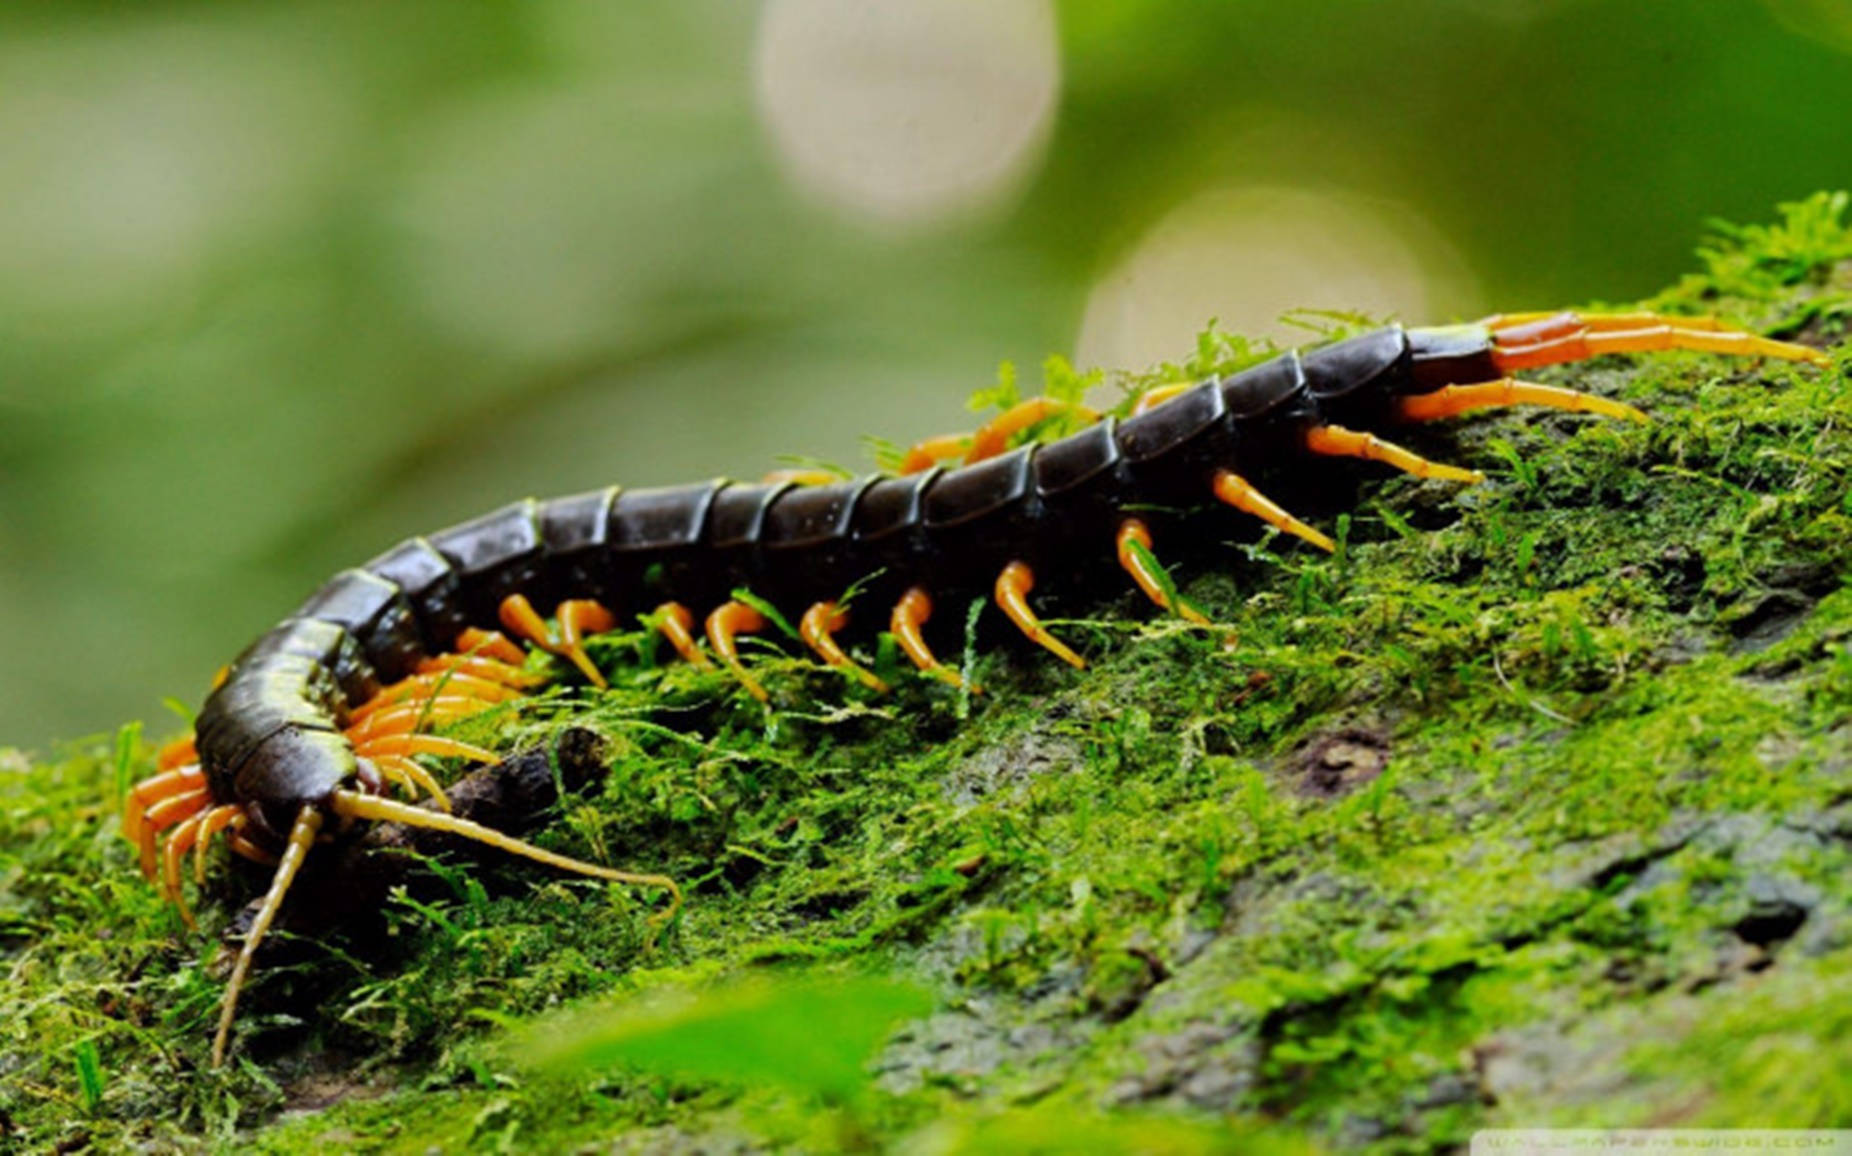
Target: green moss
<point x="1527" y="806"/>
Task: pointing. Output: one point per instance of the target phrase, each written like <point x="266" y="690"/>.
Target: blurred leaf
<point x="809" y="1035"/>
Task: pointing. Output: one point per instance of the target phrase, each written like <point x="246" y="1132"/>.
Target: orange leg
<point x="490" y="644"/>
<point x="723" y="627"/>
<point x="1012" y="592"/>
<point x="1458" y="399"/>
<point x="435" y="684"/>
<point x="1152" y="398"/>
<point x="178" y="844"/>
<point x="818" y="628"/>
<point x="1336" y="441"/>
<point x="242" y="844"/>
<point x="211" y="823"/>
<point x="1234" y="489"/>
<point x="991" y="438"/>
<point x="910" y="613"/>
<point x="577" y="618"/>
<point x="1528" y="340"/>
<point x="406" y="717"/>
<point x="802" y="477"/>
<point x="1144" y="570"/>
<point x="417" y="776"/>
<point x="163" y="815"/>
<point x="676" y="624"/>
<point x="429" y="745"/>
<point x="178" y="753"/>
<point x="478" y="666"/>
<point x="926" y="454"/>
<point x="152" y="790"/>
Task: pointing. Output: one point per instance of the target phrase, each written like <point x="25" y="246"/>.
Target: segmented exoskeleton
<point x="320" y="716"/>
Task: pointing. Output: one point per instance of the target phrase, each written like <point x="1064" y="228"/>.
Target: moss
<point x="1530" y="805"/>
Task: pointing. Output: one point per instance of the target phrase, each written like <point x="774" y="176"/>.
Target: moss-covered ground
<point x="1531" y="806"/>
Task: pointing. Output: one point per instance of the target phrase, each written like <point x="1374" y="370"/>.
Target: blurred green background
<point x="283" y="283"/>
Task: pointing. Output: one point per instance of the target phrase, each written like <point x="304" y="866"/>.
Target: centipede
<point x="329" y="715"/>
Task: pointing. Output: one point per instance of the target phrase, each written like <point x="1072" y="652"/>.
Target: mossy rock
<point x="1531" y="806"/>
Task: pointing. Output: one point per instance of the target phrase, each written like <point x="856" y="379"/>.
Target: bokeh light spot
<point x="908" y="112"/>
<point x="1243" y="257"/>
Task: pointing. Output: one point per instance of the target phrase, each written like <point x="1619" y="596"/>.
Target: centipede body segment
<point x="328" y="714"/>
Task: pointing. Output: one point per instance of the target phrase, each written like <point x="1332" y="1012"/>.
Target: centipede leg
<point x="577" y="618"/>
<point x="420" y="778"/>
<point x="911" y="613"/>
<point x="1336" y="441"/>
<point x="924" y="455"/>
<point x="1140" y="564"/>
<point x="818" y="628"/>
<point x="675" y="622"/>
<point x="301" y="839"/>
<point x="1238" y="492"/>
<point x="1529" y="340"/>
<point x="1453" y="400"/>
<point x="211" y="823"/>
<point x="178" y="753"/>
<point x="491" y="644"/>
<point x="164" y="814"/>
<point x="243" y="845"/>
<point x="178" y="844"/>
<point x="1012" y="594"/>
<point x="724" y="626"/>
<point x="151" y="791"/>
<point x="1152" y="398"/>
<point x="430" y="745"/>
<point x="993" y="437"/>
<point x="802" y="477"/>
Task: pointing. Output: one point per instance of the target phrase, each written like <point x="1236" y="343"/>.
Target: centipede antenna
<point x="1238" y="492"/>
<point x="1012" y="594"/>
<point x="301" y="838"/>
<point x="818" y="628"/>
<point x="1336" y="441"/>
<point x="675" y="622"/>
<point x="352" y="805"/>
<point x="1140" y="564"/>
<point x="723" y="626"/>
<point x="910" y="613"/>
<point x="1458" y="399"/>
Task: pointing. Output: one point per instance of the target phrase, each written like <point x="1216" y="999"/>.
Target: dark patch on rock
<point x="1775" y="912"/>
<point x="1773" y="617"/>
<point x="1679" y="572"/>
<point x="1339" y="762"/>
